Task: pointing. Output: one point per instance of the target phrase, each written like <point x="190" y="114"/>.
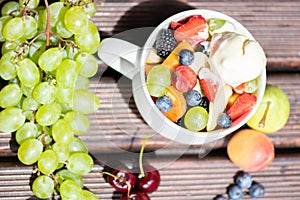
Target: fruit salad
<point x="202" y="74"/>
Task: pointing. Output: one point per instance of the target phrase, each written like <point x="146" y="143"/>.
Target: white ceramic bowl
<point x="130" y="60"/>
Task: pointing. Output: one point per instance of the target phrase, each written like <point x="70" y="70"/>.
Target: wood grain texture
<point x="185" y="178"/>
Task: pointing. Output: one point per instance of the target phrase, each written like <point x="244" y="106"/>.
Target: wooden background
<point x="187" y="172"/>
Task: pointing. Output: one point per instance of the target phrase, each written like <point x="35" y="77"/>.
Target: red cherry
<point x="151" y="180"/>
<point x="123" y="180"/>
<point x="136" y="195"/>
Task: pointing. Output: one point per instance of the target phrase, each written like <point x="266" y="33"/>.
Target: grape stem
<point x="47" y="31"/>
<point x="141" y="157"/>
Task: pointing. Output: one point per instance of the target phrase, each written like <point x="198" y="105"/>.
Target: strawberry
<point x="240" y="88"/>
<point x="243" y="104"/>
<point x="175" y="25"/>
<point x="210" y="83"/>
<point x="194" y="31"/>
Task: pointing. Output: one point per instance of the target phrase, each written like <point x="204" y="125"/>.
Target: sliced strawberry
<point x="243" y="104"/>
<point x="209" y="83"/>
<point x="194" y="31"/>
<point x="240" y="88"/>
<point x="175" y="25"/>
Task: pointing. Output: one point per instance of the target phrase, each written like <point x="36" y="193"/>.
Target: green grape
<point x="90" y="9"/>
<point x="44" y="93"/>
<point x="10" y="95"/>
<point x="9" y="46"/>
<point x="26" y="131"/>
<point x="28" y="72"/>
<point x="30" y="151"/>
<point x="3" y="21"/>
<point x="14" y="29"/>
<point x="82" y="83"/>
<point x="89" y="195"/>
<point x="80" y="163"/>
<point x="87" y="64"/>
<point x="88" y="40"/>
<point x="196" y="118"/>
<point x="64" y="95"/>
<point x="85" y="102"/>
<point x="57" y="11"/>
<point x="10" y="8"/>
<point x="36" y="50"/>
<point x="48" y="114"/>
<point x="65" y="174"/>
<point x="70" y="190"/>
<point x="158" y="79"/>
<point x="31" y="27"/>
<point x="50" y="59"/>
<point x="29" y="104"/>
<point x="77" y="145"/>
<point x="62" y="152"/>
<point x="215" y="23"/>
<point x="251" y="86"/>
<point x="39" y="18"/>
<point x="62" y="132"/>
<point x="11" y="119"/>
<point x="61" y="29"/>
<point x="65" y="108"/>
<point x="66" y="74"/>
<point x="76" y="20"/>
<point x="27" y="91"/>
<point x="43" y="187"/>
<point x="48" y="162"/>
<point x="31" y="4"/>
<point x="8" y="69"/>
<point x="14" y="81"/>
<point x="72" y="51"/>
<point x="78" y="121"/>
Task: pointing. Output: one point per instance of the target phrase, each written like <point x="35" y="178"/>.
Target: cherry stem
<point x="141" y="157"/>
<point x="263" y="119"/>
<point x="47" y="31"/>
<point x="119" y="179"/>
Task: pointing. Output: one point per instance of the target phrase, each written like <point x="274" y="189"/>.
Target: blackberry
<point x="204" y="103"/>
<point x="165" y="43"/>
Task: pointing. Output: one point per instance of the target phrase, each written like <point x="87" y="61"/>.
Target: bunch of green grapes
<point x="47" y="60"/>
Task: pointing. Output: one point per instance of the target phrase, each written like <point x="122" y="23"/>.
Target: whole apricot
<point x="250" y="150"/>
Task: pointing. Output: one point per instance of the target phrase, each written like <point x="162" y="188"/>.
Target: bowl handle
<point x="120" y="55"/>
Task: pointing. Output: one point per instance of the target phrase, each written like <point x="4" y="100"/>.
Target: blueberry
<point x="235" y="192"/>
<point x="164" y="104"/>
<point x="224" y="120"/>
<point x="193" y="98"/>
<point x="243" y="180"/>
<point x="186" y="57"/>
<point x="256" y="190"/>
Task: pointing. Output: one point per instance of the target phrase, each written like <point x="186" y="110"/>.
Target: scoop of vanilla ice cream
<point x="236" y="58"/>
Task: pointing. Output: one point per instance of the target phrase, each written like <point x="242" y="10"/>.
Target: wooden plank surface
<point x="185" y="178"/>
<point x="275" y="24"/>
<point x="118" y="125"/>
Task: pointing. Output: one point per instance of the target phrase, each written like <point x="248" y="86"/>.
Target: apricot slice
<point x="250" y="150"/>
<point x="172" y="60"/>
<point x="179" y="104"/>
